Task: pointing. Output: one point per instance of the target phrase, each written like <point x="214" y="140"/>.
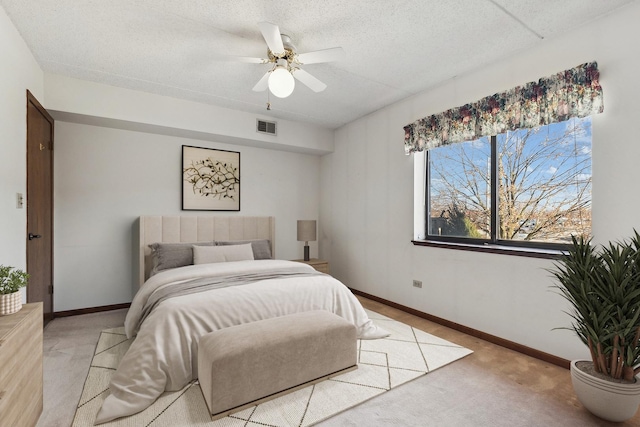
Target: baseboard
<point x="91" y="310"/>
<point x="541" y="355"/>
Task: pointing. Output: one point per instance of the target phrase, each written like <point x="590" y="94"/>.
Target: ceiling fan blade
<point x="271" y="34"/>
<point x="308" y="80"/>
<point x="246" y="59"/>
<point x="325" y="55"/>
<point x="263" y="83"/>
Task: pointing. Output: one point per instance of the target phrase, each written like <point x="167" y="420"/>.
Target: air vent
<point x="263" y="126"/>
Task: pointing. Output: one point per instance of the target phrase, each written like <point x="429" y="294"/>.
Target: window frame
<point x="493" y="243"/>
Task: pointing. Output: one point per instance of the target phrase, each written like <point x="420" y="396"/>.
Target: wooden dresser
<point x="21" y="367"/>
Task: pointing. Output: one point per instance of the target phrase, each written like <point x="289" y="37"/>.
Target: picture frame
<point x="210" y="179"/>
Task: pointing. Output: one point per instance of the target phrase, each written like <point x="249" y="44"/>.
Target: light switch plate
<point x="19" y="201"/>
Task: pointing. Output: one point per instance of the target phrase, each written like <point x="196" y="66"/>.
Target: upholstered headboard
<point x="176" y="229"/>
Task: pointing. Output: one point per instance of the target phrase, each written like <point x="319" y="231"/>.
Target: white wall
<point x="105" y="178"/>
<point x="18" y="72"/>
<point x="368" y="203"/>
<point x="117" y="157"/>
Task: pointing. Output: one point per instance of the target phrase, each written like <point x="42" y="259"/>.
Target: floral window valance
<point x="571" y="93"/>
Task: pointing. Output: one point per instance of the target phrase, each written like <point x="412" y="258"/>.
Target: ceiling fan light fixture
<point x="281" y="52"/>
<point x="281" y="82"/>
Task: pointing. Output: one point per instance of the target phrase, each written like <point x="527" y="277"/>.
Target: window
<point x="529" y="187"/>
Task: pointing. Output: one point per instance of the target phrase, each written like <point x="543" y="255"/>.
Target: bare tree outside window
<point x="543" y="185"/>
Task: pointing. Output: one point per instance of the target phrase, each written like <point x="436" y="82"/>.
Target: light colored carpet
<point x="382" y="365"/>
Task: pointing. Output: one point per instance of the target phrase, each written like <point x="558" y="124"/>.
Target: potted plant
<point x="602" y="285"/>
<point x="11" y="280"/>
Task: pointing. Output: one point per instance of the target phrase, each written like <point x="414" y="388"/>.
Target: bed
<point x="175" y="306"/>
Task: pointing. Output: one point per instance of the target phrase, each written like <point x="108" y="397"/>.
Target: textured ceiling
<point x="394" y="48"/>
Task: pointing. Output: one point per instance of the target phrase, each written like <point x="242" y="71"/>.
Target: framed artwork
<point x="210" y="179"/>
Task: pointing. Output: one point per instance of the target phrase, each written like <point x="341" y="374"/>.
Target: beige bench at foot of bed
<point x="247" y="364"/>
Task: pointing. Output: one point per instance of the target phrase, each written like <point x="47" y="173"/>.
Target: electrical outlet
<point x="417" y="284"/>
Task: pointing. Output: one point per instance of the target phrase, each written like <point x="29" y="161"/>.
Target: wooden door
<point x="40" y="206"/>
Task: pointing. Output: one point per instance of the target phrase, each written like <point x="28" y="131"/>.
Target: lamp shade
<point x="306" y="230"/>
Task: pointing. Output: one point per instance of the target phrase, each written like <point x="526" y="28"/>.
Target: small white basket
<point x="10" y="303"/>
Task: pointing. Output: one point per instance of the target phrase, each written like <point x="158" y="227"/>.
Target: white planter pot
<point x="605" y="399"/>
<point x="10" y="303"/>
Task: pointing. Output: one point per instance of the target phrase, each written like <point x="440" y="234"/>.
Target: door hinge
<point x="50" y="289"/>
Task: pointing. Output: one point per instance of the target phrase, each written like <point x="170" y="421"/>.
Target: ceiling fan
<point x="286" y="63"/>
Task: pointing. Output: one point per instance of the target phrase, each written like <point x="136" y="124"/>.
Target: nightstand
<point x="318" y="264"/>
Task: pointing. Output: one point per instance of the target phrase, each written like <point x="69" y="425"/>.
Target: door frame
<point x="31" y="100"/>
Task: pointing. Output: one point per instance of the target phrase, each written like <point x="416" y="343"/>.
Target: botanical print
<point x="210" y="179"/>
<point x="571" y="93"/>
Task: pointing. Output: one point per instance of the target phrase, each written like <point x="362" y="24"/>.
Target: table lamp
<point x="306" y="234"/>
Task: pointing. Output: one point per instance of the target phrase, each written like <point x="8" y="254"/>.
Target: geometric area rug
<point x="408" y="353"/>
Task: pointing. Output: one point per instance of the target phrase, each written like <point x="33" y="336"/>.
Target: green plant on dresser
<point x="11" y="280"/>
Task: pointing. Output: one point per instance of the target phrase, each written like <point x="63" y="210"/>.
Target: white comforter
<point x="164" y="354"/>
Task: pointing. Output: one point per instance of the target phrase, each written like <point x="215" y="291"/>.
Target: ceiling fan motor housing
<point x="289" y="51"/>
<point x="288" y="44"/>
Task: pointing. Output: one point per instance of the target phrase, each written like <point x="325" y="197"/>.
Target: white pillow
<point x="212" y="254"/>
